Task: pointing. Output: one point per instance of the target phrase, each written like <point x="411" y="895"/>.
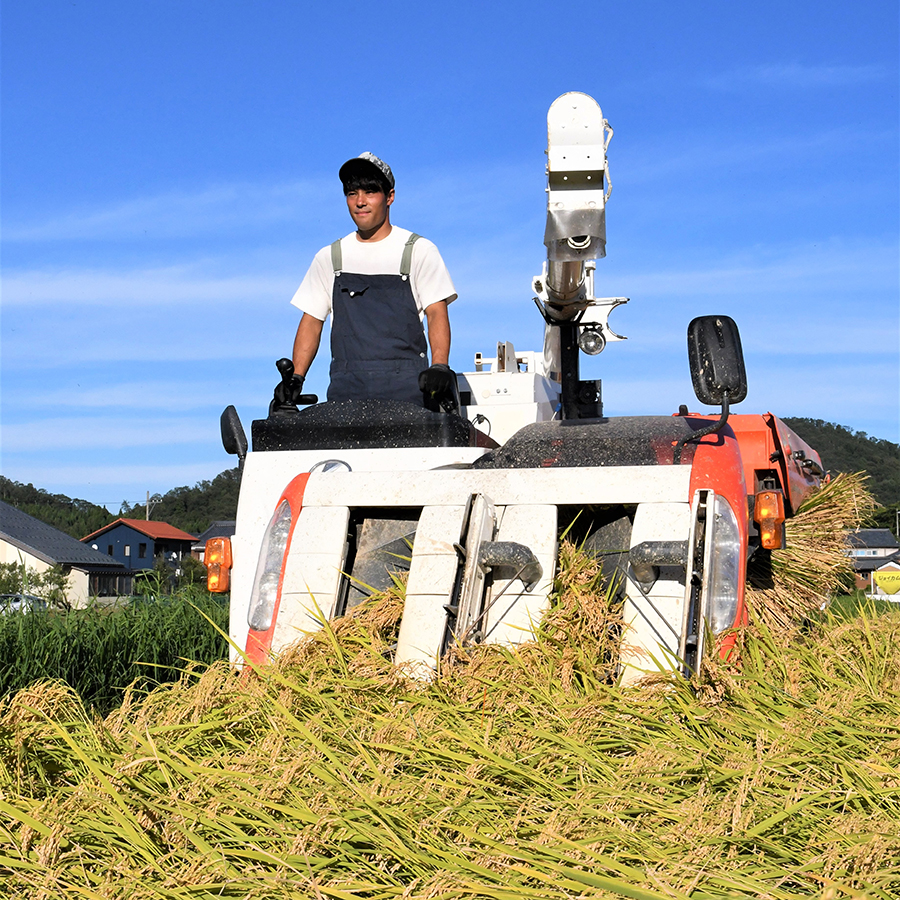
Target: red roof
<point x="159" y="531"/>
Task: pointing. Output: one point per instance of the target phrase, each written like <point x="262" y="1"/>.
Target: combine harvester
<point x="472" y="497"/>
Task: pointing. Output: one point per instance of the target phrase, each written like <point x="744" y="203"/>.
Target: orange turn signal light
<point x="768" y="513"/>
<point x="217" y="559"/>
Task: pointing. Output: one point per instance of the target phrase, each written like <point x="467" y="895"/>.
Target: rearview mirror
<point x="716" y="360"/>
<point x="233" y="438"/>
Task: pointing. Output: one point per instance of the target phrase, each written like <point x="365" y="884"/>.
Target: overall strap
<point x="406" y="259"/>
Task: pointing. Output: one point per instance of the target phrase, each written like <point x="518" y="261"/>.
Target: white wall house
<point x="872" y="550"/>
<point x="39" y="546"/>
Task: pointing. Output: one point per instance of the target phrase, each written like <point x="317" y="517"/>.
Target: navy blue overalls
<point x="377" y="340"/>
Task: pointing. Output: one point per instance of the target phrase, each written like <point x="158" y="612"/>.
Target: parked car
<point x="12" y="603"/>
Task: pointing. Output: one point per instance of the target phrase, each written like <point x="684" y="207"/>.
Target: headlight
<point x="725" y="567"/>
<point x="268" y="569"/>
<point x="591" y="340"/>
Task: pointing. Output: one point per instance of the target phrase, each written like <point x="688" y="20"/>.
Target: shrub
<point x="51" y="585"/>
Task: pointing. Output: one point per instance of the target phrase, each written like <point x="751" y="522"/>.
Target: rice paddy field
<point x="101" y="650"/>
<point x="526" y="774"/>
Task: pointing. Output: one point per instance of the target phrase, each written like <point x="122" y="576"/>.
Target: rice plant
<point x="100" y="651"/>
<point x="513" y="774"/>
<point x="788" y="586"/>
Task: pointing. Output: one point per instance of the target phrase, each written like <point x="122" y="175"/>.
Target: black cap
<point x="367" y="164"/>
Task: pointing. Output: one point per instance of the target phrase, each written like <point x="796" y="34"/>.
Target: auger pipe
<point x="575" y="236"/>
<point x="565" y="283"/>
<point x="577" y="191"/>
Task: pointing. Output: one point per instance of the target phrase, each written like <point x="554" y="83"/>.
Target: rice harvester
<point x="470" y="497"/>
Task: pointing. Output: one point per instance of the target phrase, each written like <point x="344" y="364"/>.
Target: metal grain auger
<point x="338" y="497"/>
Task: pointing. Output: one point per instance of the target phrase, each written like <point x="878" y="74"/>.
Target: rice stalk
<point x="100" y="651"/>
<point x="514" y="774"/>
<point x="786" y="587"/>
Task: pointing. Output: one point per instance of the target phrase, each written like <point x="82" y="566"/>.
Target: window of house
<point x="142" y="551"/>
<point x="109" y="549"/>
<point x="128" y="550"/>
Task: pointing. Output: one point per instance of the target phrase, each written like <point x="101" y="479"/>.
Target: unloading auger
<point x="578" y="188"/>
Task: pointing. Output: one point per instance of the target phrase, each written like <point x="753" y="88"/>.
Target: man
<point x="379" y="283"/>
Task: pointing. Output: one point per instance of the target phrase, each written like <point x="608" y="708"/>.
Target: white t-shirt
<point x="428" y="275"/>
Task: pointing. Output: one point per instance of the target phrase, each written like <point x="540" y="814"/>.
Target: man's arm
<point x="438" y="332"/>
<point x="306" y="342"/>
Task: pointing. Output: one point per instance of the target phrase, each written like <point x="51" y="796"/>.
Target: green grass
<point x="848" y="606"/>
<point x="511" y="775"/>
<point x="100" y="651"/>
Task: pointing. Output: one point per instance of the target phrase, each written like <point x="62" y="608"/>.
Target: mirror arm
<point x="723" y="418"/>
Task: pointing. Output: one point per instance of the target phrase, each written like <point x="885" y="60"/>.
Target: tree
<point x="843" y="450"/>
<point x="193" y="509"/>
<point x="75" y="517"/>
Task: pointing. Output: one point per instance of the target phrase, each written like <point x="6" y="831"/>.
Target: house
<point x="135" y="543"/>
<point x="27" y="541"/>
<point x="871" y="549"/>
<point x="217" y="529"/>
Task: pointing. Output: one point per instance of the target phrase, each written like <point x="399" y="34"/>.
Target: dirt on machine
<point x="469" y="499"/>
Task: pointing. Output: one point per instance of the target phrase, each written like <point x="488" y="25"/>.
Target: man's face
<point x="369" y="209"/>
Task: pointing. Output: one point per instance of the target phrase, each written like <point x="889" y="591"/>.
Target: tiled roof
<point x="159" y="531"/>
<point x="48" y="543"/>
<point x="872" y="538"/>
<point x="871" y="563"/>
<point x="217" y="529"/>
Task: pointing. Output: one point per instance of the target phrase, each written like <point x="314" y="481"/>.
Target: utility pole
<point x="148" y="507"/>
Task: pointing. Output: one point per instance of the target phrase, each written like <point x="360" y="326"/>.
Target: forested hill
<point x="843" y="450"/>
<point x="193" y="509"/>
<point x="75" y="517"/>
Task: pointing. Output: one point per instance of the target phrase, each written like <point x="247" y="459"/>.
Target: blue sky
<point x="170" y="168"/>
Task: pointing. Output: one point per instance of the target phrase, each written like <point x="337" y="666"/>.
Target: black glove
<point x="296" y="388"/>
<point x="438" y="384"/>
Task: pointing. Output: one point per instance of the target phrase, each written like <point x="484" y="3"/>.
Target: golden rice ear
<point x="788" y="587"/>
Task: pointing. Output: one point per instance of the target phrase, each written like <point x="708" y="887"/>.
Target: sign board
<point x="888" y="581"/>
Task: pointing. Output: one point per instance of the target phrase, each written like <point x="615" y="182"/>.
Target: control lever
<point x="288" y="392"/>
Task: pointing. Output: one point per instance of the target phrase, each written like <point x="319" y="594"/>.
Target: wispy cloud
<point x="154" y="395"/>
<point x="103" y="433"/>
<point x="166" y="286"/>
<point x="796" y="75"/>
<point x="849" y="389"/>
<point x="784" y="386"/>
<point x="192" y="313"/>
<point x="239" y="207"/>
<point x="483" y="194"/>
<point x="773" y="271"/>
<point x="831" y="271"/>
<point x="696" y="152"/>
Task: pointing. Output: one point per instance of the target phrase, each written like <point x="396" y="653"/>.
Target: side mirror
<point x="233" y="438"/>
<point x="716" y="360"/>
